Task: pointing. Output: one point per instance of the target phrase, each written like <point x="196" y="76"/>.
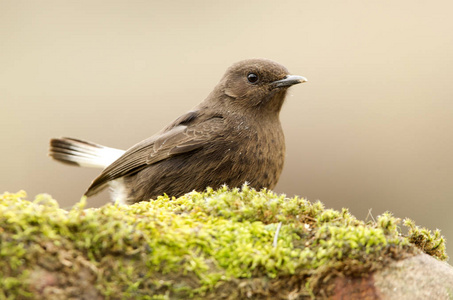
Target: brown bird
<point x="232" y="137"/>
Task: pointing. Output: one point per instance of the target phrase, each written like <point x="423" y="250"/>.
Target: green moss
<point x="430" y="243"/>
<point x="199" y="245"/>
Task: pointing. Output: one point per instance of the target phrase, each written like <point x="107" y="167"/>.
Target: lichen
<point x="201" y="245"/>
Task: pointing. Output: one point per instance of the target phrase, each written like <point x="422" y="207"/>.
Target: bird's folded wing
<point x="178" y="140"/>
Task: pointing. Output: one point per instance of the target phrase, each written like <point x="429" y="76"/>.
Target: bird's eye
<point x="252" y="78"/>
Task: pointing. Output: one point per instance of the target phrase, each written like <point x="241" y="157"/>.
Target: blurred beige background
<point x="372" y="129"/>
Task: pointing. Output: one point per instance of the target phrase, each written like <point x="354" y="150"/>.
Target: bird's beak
<point x="289" y="80"/>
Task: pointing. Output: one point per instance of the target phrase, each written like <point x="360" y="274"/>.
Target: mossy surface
<point x="224" y="244"/>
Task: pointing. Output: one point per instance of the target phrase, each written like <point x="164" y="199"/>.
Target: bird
<point x="232" y="137"/>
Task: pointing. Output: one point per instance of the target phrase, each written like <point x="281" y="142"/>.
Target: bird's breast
<point x="257" y="153"/>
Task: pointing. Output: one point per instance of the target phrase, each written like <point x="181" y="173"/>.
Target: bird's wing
<point x="179" y="139"/>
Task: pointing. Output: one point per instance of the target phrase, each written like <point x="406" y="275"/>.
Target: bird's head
<point x="257" y="84"/>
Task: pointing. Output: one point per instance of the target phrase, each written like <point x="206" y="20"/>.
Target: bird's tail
<point x="82" y="153"/>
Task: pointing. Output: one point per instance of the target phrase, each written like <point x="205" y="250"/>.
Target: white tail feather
<point x="83" y="153"/>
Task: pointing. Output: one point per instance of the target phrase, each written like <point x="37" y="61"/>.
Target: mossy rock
<point x="224" y="244"/>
